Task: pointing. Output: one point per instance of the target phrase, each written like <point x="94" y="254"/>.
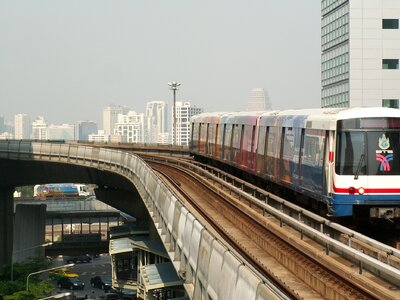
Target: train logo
<point x="384" y="156"/>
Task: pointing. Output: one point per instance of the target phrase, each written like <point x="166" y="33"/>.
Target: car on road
<point x="101" y="282"/>
<point x="57" y="274"/>
<point x="72" y="283"/>
<point x="78" y="259"/>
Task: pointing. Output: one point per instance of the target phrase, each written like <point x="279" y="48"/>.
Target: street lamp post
<point x="16" y="252"/>
<point x="174" y="86"/>
<point x="47" y="270"/>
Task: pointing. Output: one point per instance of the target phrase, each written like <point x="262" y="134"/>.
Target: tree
<point x="15" y="290"/>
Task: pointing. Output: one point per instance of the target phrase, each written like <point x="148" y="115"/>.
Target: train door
<point x="207" y="148"/>
<point x="227" y="138"/>
<point x="252" y="154"/>
<point x="195" y="137"/>
<point x="329" y="163"/>
<point x="235" y="143"/>
<point x="301" y="151"/>
<point x="242" y="157"/>
<point x="218" y="142"/>
<point x="261" y="146"/>
<point x="273" y="150"/>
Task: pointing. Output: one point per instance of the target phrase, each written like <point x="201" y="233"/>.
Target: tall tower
<point x="360" y="53"/>
<point x="83" y="129"/>
<point x="156" y="120"/>
<point x="131" y="127"/>
<point x="258" y="100"/>
<point x="39" y="129"/>
<point x="110" y="117"/>
<point x="184" y="111"/>
<point x="22" y="126"/>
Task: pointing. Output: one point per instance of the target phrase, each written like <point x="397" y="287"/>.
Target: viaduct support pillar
<point x="6" y="224"/>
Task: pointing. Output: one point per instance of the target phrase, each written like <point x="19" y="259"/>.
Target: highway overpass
<point x="129" y="184"/>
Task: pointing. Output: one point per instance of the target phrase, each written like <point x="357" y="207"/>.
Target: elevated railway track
<point x="305" y="255"/>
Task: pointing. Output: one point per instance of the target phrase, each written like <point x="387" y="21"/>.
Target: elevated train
<point x="342" y="162"/>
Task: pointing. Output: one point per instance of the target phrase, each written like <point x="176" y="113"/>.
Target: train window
<point x="314" y="143"/>
<point x="350" y="149"/>
<point x="288" y="144"/>
<point x="369" y="123"/>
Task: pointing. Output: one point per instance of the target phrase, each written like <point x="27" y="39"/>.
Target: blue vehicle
<point x="60" y="190"/>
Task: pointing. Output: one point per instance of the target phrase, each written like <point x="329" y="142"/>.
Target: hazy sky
<point x="67" y="59"/>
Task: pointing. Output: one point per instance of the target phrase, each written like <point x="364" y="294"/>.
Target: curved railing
<point x="202" y="261"/>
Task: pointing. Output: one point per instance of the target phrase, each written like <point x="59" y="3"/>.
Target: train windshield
<point x="372" y="152"/>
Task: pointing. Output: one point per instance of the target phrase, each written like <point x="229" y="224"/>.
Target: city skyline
<point x="69" y="59"/>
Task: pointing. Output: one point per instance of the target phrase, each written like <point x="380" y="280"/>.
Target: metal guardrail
<point x="321" y="236"/>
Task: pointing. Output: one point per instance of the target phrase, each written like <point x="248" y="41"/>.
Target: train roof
<point x="318" y="118"/>
<point x="209" y="117"/>
<point x="323" y="118"/>
<point x="245" y="118"/>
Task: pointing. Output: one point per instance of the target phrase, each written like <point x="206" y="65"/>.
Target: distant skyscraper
<point x="131" y="126"/>
<point x="110" y="117"/>
<point x="61" y="132"/>
<point x="156" y="120"/>
<point x="22" y="126"/>
<point x="360" y="53"/>
<point x="83" y="129"/>
<point x="39" y="129"/>
<point x="184" y="111"/>
<point x="99" y="137"/>
<point x="2" y="124"/>
<point x="258" y="100"/>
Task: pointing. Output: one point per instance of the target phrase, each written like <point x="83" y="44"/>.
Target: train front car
<point x="366" y="179"/>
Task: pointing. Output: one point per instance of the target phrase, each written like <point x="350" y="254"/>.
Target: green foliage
<point x="41" y="288"/>
<point x="15" y="290"/>
<point x="21" y="270"/>
<point x="10" y="287"/>
<point x="21" y="295"/>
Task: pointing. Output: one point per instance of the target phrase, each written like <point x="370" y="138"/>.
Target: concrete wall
<point x="29" y="231"/>
<point x="6" y="224"/>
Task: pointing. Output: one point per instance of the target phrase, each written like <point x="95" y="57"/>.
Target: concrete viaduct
<point x="127" y="183"/>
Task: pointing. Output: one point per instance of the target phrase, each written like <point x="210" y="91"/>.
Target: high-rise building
<point x="131" y="126"/>
<point x="2" y="124"/>
<point x="110" y="117"/>
<point x="156" y="121"/>
<point x="258" y="100"/>
<point x="22" y="126"/>
<point x="61" y="132"/>
<point x="360" y="53"/>
<point x="39" y="129"/>
<point x="83" y="129"/>
<point x="184" y="111"/>
<point x="99" y="137"/>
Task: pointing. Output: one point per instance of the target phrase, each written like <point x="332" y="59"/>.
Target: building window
<point x="392" y="103"/>
<point x="390" y="64"/>
<point x="390" y="23"/>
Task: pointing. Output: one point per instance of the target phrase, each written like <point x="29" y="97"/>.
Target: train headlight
<point x="352" y="190"/>
<point x="361" y="191"/>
